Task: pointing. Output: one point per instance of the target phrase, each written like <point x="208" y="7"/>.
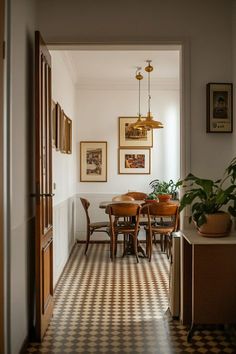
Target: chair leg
<point x="89" y="233"/>
<point x="135" y="242"/>
<point x="115" y="246"/>
<point x="162" y="243"/>
<point x="150" y="247"/>
<point x="112" y="250"/>
<point x="124" y="245"/>
<point x="147" y="243"/>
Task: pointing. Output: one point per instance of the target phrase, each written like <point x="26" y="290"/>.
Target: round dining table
<point x="104" y="204"/>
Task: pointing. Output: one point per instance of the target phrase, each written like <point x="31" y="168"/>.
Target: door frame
<point x="5" y="109"/>
<point x="2" y="304"/>
<point x="183" y="46"/>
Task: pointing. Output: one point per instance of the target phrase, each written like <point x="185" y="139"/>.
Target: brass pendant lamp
<point x="138" y="124"/>
<point x="148" y="123"/>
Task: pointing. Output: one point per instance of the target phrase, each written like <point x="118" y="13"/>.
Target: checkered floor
<point x="120" y="307"/>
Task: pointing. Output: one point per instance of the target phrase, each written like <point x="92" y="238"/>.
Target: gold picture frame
<point x="58" y="126"/>
<point x="93" y="161"/>
<point x="63" y="132"/>
<point x="133" y="138"/>
<point x="68" y="135"/>
<point x="134" y="161"/>
<point x="54" y="123"/>
<point x="219" y="108"/>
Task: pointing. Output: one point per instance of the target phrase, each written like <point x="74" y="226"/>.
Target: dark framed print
<point x="58" y="126"/>
<point x="93" y="161"/>
<point x="133" y="137"/>
<point x="68" y="133"/>
<point x="219" y="108"/>
<point x="134" y="161"/>
<point x="63" y="132"/>
<point x="54" y="124"/>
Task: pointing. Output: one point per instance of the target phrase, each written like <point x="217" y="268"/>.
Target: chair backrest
<point x="121" y="198"/>
<point x="137" y="195"/>
<point x="86" y="205"/>
<point x="123" y="209"/>
<point x="165" y="210"/>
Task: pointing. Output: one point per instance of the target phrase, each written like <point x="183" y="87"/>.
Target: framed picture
<point x="68" y="135"/>
<point x="54" y="124"/>
<point x="93" y="161"/>
<point x="58" y="126"/>
<point x="134" y="161"/>
<point x="219" y="108"/>
<point x="133" y="137"/>
<point x="63" y="132"/>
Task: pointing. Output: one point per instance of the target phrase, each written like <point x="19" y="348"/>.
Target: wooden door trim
<point x="2" y="9"/>
<point x="43" y="160"/>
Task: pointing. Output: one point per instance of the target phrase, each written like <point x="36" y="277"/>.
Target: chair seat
<point x="99" y="224"/>
<point x="125" y="229"/>
<point x="163" y="229"/>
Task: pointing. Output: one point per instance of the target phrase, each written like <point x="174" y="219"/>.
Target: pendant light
<point x="137" y="125"/>
<point x="148" y="123"/>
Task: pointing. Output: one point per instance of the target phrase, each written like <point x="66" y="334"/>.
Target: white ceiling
<point x="119" y="66"/>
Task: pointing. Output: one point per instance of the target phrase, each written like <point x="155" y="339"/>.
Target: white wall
<point x="22" y="211"/>
<point x="205" y="26"/>
<point x="97" y="114"/>
<point x="64" y="168"/>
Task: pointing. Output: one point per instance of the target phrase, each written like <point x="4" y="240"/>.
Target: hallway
<point x="104" y="307"/>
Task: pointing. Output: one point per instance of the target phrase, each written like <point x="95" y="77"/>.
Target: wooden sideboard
<point x="208" y="279"/>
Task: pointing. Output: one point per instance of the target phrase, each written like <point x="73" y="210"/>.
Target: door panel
<point x="43" y="174"/>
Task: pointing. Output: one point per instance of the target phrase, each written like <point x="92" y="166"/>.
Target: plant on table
<point x="163" y="187"/>
<point x="207" y="197"/>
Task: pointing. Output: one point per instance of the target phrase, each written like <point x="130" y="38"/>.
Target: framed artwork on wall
<point x="68" y="133"/>
<point x="63" y="132"/>
<point x="93" y="161"/>
<point x="54" y="124"/>
<point x="133" y="137"/>
<point x="219" y="108"/>
<point x="58" y="126"/>
<point x="134" y="161"/>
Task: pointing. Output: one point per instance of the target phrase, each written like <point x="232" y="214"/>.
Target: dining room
<point x="102" y="99"/>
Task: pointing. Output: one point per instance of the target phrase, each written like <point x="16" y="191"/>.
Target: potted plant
<point x="151" y="198"/>
<point x="164" y="190"/>
<point x="207" y="198"/>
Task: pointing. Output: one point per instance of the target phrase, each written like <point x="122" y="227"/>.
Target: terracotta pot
<point x="164" y="197"/>
<point x="151" y="200"/>
<point x="217" y="225"/>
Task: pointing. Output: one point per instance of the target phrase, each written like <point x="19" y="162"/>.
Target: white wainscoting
<point x="64" y="235"/>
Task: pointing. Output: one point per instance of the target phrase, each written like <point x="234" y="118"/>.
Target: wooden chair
<point x="101" y="226"/>
<point x="122" y="198"/>
<point x="166" y="221"/>
<point x="130" y="213"/>
<point x="137" y="195"/>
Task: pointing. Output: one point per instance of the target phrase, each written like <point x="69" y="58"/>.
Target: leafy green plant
<point x="207" y="196"/>
<point x="152" y="196"/>
<point x="163" y="187"/>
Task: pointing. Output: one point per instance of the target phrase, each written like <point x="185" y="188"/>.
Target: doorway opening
<point x="94" y="86"/>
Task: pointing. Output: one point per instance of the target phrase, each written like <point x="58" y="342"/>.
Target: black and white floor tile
<point x="120" y="307"/>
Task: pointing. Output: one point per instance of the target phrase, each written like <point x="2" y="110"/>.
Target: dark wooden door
<point x="43" y="174"/>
